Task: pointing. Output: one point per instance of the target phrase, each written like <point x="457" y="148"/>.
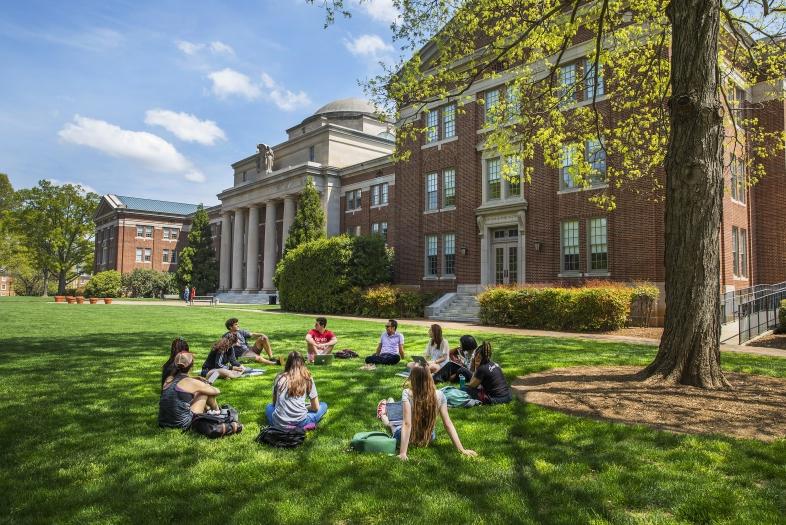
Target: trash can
<point x="271" y="299"/>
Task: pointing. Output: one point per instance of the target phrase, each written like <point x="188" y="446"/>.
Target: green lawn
<point x="80" y="441"/>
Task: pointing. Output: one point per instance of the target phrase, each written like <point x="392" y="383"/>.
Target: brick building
<point x="6" y="285"/>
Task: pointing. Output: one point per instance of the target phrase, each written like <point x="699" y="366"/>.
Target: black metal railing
<point x="760" y="315"/>
<point x="731" y="301"/>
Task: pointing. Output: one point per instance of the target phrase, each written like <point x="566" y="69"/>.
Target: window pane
<point x="140" y="231"/>
<point x="566" y="178"/>
<point x="449" y="121"/>
<point x="599" y="257"/>
<point x="139" y="255"/>
<point x="499" y="265"/>
<point x="431" y="191"/>
<point x="494" y="178"/>
<point x="735" y="250"/>
<point x="570" y="246"/>
<point x="374" y="195"/>
<point x="491" y="98"/>
<point x="567" y="90"/>
<point x="431" y="125"/>
<point x="449" y="248"/>
<point x="149" y="231"/>
<point x="174" y="257"/>
<point x="589" y="69"/>
<point x="431" y="255"/>
<point x="165" y="232"/>
<point x="165" y="256"/>
<point x="513" y="264"/>
<point x="173" y="233"/>
<point x="384" y="230"/>
<point x="596" y="157"/>
<point x="384" y="199"/>
<point x="449" y="187"/>
<point x="743" y="246"/>
<point x="514" y="185"/>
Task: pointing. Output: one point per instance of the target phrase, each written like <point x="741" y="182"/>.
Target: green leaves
<point x="197" y="265"/>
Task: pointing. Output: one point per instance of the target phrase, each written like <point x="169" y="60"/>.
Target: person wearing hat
<point x="182" y="396"/>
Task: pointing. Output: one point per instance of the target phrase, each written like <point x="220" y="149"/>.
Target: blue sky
<point x="156" y="99"/>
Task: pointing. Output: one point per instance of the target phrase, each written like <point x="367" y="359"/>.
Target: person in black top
<point x="183" y="397"/>
<point x="488" y="382"/>
<point x="221" y="360"/>
<point x="178" y="345"/>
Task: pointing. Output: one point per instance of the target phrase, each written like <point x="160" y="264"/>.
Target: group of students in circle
<point x="295" y="400"/>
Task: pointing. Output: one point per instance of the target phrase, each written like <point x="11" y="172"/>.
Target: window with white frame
<point x="599" y="252"/>
<point x="567" y="80"/>
<point x="140" y="231"/>
<point x="140" y="254"/>
<point x="590" y="77"/>
<point x="511" y="101"/>
<point x="431" y="255"/>
<point x="566" y="177"/>
<point x="149" y="232"/>
<point x="353" y="200"/>
<point x="490" y="99"/>
<point x="514" y="184"/>
<point x="743" y="246"/>
<point x="596" y="158"/>
<point x="449" y="253"/>
<point x="449" y="188"/>
<point x="312" y="154"/>
<point x="379" y="194"/>
<point x="449" y="121"/>
<point x="569" y="235"/>
<point x="384" y="193"/>
<point x="432" y="197"/>
<point x="738" y="185"/>
<point x="493" y="179"/>
<point x="375" y="195"/>
<point x="380" y="228"/>
<point x="739" y="251"/>
<point x="148" y="254"/>
<point x="432" y="125"/>
<point x="173" y="258"/>
<point x="353" y="231"/>
<point x="165" y="256"/>
<point x="165" y="233"/>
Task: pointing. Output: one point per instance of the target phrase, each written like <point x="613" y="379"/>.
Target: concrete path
<point x="476" y="328"/>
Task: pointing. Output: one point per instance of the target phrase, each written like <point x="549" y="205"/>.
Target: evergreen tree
<point x="309" y="223"/>
<point x="198" y="266"/>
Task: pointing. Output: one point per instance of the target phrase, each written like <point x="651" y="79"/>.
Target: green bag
<point x="373" y="442"/>
<point x="455" y="396"/>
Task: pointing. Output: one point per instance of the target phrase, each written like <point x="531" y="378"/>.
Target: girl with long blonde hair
<point x="290" y="389"/>
<point x="420" y="405"/>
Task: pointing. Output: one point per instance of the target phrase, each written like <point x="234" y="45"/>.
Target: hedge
<point x="104" y="284"/>
<point x="782" y="317"/>
<point x="575" y="309"/>
<point x="144" y="282"/>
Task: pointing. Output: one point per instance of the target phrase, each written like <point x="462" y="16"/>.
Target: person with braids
<point x="183" y="397"/>
<point x="221" y="360"/>
<point x="178" y="345"/>
<point x="488" y="382"/>
<point x="420" y="405"/>
<point x="290" y="389"/>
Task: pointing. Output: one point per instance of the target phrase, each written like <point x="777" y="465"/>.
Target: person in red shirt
<point x="193" y="294"/>
<point x="319" y="339"/>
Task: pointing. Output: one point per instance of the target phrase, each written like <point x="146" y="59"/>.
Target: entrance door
<point x="505" y="256"/>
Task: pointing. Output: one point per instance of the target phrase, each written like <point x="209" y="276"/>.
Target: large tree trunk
<point x="61" y="282"/>
<point x="689" y="351"/>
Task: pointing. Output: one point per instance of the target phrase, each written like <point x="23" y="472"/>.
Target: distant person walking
<point x="193" y="294"/>
<point x="186" y="294"/>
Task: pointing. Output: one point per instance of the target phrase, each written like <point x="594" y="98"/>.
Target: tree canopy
<point x="309" y="223"/>
<point x="198" y="266"/>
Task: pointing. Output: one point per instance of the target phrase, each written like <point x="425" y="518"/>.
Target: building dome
<point x="346" y="105"/>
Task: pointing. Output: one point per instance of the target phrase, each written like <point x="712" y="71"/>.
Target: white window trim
<point x="439" y="143"/>
<point x="588" y="228"/>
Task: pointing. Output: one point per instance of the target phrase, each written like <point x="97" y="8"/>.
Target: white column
<point x="252" y="250"/>
<point x="226" y="251"/>
<point x="237" y="251"/>
<point x="270" y="246"/>
<point x="289" y="218"/>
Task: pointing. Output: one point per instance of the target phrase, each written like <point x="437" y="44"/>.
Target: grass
<point x="80" y="441"/>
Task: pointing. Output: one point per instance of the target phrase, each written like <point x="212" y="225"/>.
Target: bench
<point x="172" y="297"/>
<point x="205" y="299"/>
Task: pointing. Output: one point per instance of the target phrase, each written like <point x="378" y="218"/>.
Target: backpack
<point x="456" y="397"/>
<point x="345" y="354"/>
<point x="280" y="438"/>
<point x="373" y="442"/>
<point x="215" y="426"/>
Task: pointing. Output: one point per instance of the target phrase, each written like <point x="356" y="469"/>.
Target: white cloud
<point x="189" y="48"/>
<point x="282" y="97"/>
<point x="368" y="45"/>
<point x="380" y="10"/>
<point x="146" y="148"/>
<point x="185" y="126"/>
<point x="85" y="187"/>
<point x="220" y="48"/>
<point x="228" y="82"/>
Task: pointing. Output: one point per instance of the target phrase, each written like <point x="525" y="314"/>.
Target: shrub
<point x="371" y="261"/>
<point x="782" y="317"/>
<point x="579" y="309"/>
<point x="643" y="300"/>
<point x="392" y="303"/>
<point x="104" y="284"/>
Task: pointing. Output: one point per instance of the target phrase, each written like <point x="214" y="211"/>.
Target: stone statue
<point x="265" y="153"/>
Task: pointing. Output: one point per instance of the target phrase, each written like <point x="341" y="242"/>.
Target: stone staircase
<point x="460" y="306"/>
<point x="244" y="297"/>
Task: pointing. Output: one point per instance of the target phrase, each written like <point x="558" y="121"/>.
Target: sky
<point x="157" y="99"/>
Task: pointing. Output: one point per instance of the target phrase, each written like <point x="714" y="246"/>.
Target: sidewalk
<point x="476" y="328"/>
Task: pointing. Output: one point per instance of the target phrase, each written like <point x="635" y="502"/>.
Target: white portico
<point x="258" y="210"/>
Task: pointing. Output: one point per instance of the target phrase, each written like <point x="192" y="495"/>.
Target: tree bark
<point x="689" y="351"/>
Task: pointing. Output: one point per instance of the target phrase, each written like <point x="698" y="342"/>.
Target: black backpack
<point x="217" y="425"/>
<point x="278" y="438"/>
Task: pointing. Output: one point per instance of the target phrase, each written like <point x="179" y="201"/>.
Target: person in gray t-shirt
<point x="290" y="390"/>
<point x="242" y="348"/>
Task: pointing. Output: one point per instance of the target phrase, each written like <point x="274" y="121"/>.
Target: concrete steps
<point x="459" y="307"/>
<point x="245" y="297"/>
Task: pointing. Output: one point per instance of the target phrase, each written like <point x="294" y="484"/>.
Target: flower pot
<point x="93" y="300"/>
<point x="107" y="300"/>
<point x="80" y="299"/>
<point x="59" y="298"/>
<point x="70" y="300"/>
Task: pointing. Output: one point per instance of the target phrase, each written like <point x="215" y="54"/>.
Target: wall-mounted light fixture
<point x="464" y="250"/>
<point x="538" y="246"/>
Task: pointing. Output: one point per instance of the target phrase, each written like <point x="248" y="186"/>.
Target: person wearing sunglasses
<point x="390" y="349"/>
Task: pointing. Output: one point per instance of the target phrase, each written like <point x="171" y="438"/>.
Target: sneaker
<point x="309" y="426"/>
<point x="382" y="407"/>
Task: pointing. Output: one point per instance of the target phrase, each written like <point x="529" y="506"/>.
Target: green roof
<point x="156" y="206"/>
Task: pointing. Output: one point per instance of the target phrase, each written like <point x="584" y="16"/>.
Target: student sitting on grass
<point x="241" y="348"/>
<point x="290" y="388"/>
<point x="390" y="349"/>
<point x="420" y="406"/>
<point x="183" y="397"/>
<point x="319" y="340"/>
<point x="488" y="382"/>
<point x="437" y="350"/>
<point x="178" y="345"/>
<point x="459" y="361"/>
<point x="221" y="361"/>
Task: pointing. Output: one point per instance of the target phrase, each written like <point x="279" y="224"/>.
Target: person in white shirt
<point x="437" y="350"/>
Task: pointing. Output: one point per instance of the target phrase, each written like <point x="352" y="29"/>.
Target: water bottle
<point x="462" y="381"/>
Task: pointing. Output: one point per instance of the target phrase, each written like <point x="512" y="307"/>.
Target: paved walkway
<point x="476" y="328"/>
